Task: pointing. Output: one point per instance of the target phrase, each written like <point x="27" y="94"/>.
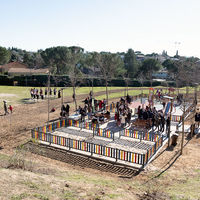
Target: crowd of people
<point x="92" y="105"/>
<point x="154" y="118"/>
<point x="41" y="94"/>
<point x="64" y="110"/>
<point x="123" y="112"/>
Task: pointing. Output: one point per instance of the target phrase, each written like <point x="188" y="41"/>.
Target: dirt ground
<point x="169" y="176"/>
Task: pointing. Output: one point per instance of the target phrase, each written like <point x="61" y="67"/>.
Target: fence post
<point x="69" y="144"/>
<point x="91" y="149"/>
<point x="141" y="134"/>
<point x="81" y="125"/>
<point x="143" y="160"/>
<point x="116" y="150"/>
<point x="50" y="138"/>
<point x="147" y="156"/>
<point x="31" y="133"/>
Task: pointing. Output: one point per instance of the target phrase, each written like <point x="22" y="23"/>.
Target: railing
<point x="176" y="118"/>
<point x="53" y="126"/>
<point x="111" y="107"/>
<point x="189" y="109"/>
<point x="104" y="133"/>
<point x="149" y="136"/>
<point x="44" y="134"/>
<point x="153" y="149"/>
<point x="97" y="149"/>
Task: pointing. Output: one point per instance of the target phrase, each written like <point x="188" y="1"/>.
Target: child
<point x="10" y="108"/>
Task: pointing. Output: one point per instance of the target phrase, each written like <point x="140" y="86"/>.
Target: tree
<point x="171" y="67"/>
<point x="149" y="66"/>
<point x="111" y="65"/>
<point x="29" y="59"/>
<point x="75" y="75"/>
<point x="4" y="55"/>
<point x="57" y="58"/>
<point x="130" y="63"/>
<point x="187" y="73"/>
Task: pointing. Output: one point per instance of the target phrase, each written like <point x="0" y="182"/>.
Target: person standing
<point x="123" y="121"/>
<point x="59" y="93"/>
<point x="168" y="126"/>
<point x="63" y="111"/>
<point x="41" y="93"/>
<point x="10" y="108"/>
<point x="37" y="94"/>
<point x="54" y="92"/>
<point x="50" y="92"/>
<point x="31" y="93"/>
<point x="129" y="117"/>
<point x="45" y="92"/>
<point x="162" y="123"/>
<point x="67" y="110"/>
<point x="34" y="93"/>
<point x="5" y="107"/>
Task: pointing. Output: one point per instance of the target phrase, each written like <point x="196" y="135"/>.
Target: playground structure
<point x="134" y="146"/>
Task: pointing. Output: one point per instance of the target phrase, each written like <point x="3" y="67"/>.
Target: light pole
<point x="183" y="123"/>
<point x="48" y="95"/>
<point x="195" y="107"/>
<point x="170" y="116"/>
<point x="62" y="97"/>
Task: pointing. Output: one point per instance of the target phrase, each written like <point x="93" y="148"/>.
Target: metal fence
<point x="117" y="154"/>
<point x="149" y="136"/>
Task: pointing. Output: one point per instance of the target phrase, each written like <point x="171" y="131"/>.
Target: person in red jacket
<point x="10" y="108"/>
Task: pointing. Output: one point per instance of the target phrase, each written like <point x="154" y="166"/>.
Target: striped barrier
<point x="74" y="123"/>
<point x="112" y="107"/>
<point x="84" y="125"/>
<point x="131" y="133"/>
<point x="42" y="134"/>
<point x="59" y="140"/>
<point x="176" y="118"/>
<point x="153" y="149"/>
<point x="51" y="127"/>
<point x="35" y="134"/>
<point x="80" y="145"/>
<point x="151" y="137"/>
<point x="140" y="135"/>
<point x="117" y="154"/>
<point x="90" y="126"/>
<point x="131" y="157"/>
<point x="104" y="151"/>
<point x="104" y="133"/>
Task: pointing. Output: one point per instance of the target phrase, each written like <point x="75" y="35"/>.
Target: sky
<point x="102" y="25"/>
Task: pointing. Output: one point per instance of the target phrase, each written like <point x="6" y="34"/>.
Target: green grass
<point x="40" y="196"/>
<point x="186" y="189"/>
<point x="120" y="94"/>
<point x="18" y="95"/>
<point x="19" y="197"/>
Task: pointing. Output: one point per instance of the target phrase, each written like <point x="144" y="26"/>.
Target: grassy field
<point x="15" y="94"/>
<point x="18" y="95"/>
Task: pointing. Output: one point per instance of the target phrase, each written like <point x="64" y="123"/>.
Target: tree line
<point x="76" y="62"/>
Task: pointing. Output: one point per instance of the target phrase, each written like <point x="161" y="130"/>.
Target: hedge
<point x="63" y="81"/>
